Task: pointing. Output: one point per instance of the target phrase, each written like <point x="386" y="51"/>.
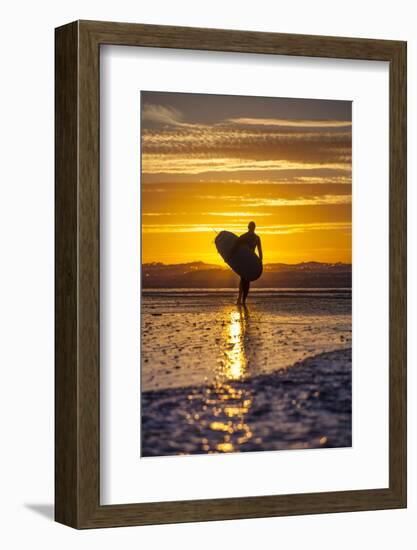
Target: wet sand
<point x="220" y="378"/>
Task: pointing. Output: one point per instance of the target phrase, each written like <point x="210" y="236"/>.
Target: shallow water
<point x="221" y="378"/>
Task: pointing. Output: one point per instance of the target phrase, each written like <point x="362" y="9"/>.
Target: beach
<point x="216" y="377"/>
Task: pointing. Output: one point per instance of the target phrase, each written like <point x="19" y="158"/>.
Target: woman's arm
<point x="260" y="249"/>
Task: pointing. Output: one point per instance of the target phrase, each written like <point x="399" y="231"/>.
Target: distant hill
<point x="202" y="275"/>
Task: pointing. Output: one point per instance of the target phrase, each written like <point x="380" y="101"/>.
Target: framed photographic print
<point x="230" y="274"/>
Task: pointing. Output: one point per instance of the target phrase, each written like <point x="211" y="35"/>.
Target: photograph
<point x="246" y="287"/>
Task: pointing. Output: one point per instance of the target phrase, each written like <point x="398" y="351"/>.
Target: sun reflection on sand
<point x="229" y="398"/>
<point x="235" y="364"/>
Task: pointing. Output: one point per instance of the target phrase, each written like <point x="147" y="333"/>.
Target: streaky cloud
<point x="289" y="123"/>
<point x="282" y="229"/>
<point x="171" y="164"/>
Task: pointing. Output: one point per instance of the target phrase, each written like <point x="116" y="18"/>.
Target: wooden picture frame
<point x="77" y="382"/>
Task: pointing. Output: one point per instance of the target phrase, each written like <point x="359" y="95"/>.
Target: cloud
<point x="320" y="200"/>
<point x="313" y="180"/>
<point x="282" y="229"/>
<point x="288" y="123"/>
<point x="293" y="180"/>
<point x="237" y="214"/>
<point x="170" y="145"/>
<point x="199" y="139"/>
<point x="160" y="114"/>
<point x="198" y="151"/>
<point x="281" y="179"/>
<point x="157" y="214"/>
<point x="301" y="201"/>
<point x="159" y="164"/>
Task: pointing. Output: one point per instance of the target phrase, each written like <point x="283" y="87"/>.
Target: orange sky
<point x="217" y="162"/>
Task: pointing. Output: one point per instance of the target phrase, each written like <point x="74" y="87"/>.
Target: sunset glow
<point x="212" y="162"/>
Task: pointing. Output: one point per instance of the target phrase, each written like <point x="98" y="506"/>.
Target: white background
<point x="125" y="478"/>
<point x="26" y="289"/>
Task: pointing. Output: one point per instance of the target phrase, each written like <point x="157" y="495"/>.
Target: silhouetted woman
<point x="252" y="241"/>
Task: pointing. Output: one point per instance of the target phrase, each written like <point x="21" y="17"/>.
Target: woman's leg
<point x="239" y="298"/>
<point x="245" y="290"/>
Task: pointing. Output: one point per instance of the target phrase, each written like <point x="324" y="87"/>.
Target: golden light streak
<point x="265" y="229"/>
<point x="174" y="164"/>
<point x="291" y="122"/>
<point x="295" y="180"/>
<point x="302" y="201"/>
<point x="319" y="200"/>
<point x="237" y="214"/>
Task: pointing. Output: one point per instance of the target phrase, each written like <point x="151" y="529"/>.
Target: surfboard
<point x="244" y="262"/>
